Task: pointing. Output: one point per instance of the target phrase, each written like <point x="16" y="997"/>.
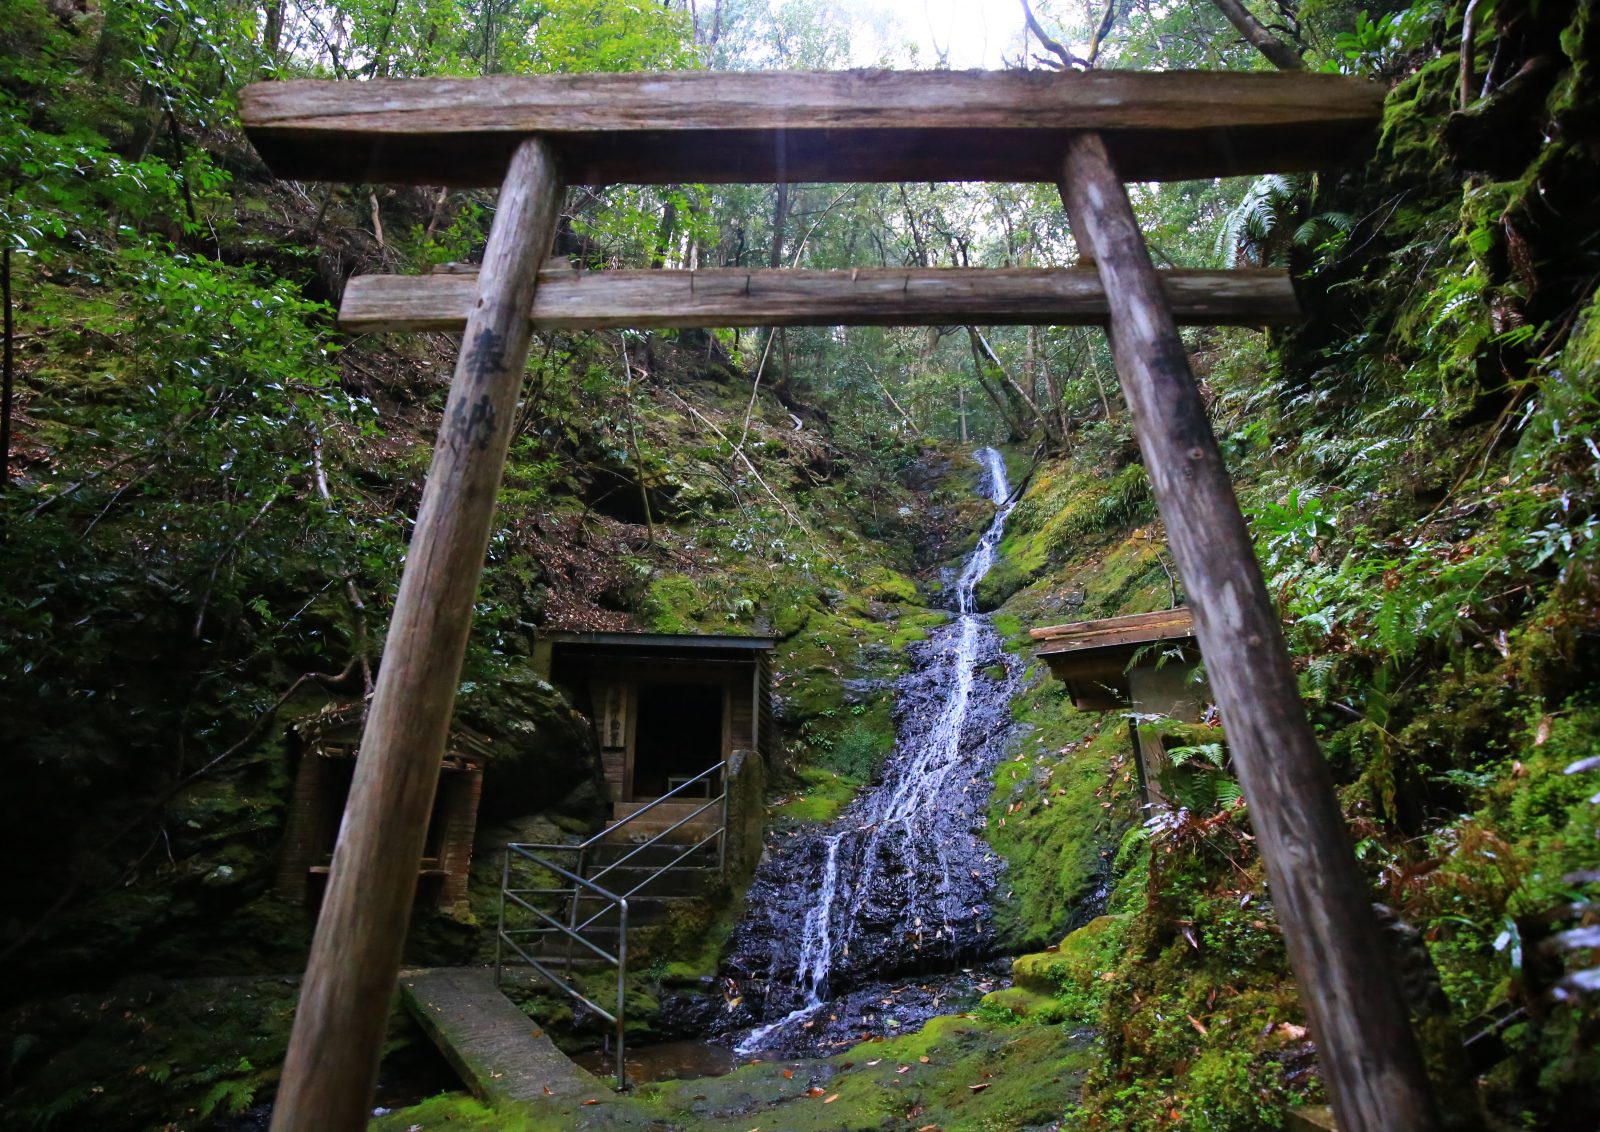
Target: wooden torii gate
<point x="1088" y="132"/>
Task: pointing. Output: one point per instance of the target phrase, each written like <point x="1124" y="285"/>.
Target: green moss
<point x="1058" y="803"/>
<point x="1009" y="626"/>
<point x="674" y="604"/>
<point x="1408" y="141"/>
<point x="789" y="617"/>
<point x="1065" y="511"/>
<point x="1005" y="578"/>
<point x="883" y="584"/>
<point x="821" y="795"/>
<point x="1073" y="975"/>
<point x="962" y="1074"/>
<point x="915" y="626"/>
<point x="457" y="1111"/>
<point x="1225" y="1092"/>
<point x="1017" y="1003"/>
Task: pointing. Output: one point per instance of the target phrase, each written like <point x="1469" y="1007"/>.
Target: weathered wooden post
<point x="332" y="1063"/>
<point x="1369" y="1056"/>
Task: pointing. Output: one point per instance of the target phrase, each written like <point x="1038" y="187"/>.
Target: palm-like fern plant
<point x="1256" y="232"/>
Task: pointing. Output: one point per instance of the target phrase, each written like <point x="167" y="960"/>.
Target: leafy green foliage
<point x="1378" y="46"/>
<point x="859" y="751"/>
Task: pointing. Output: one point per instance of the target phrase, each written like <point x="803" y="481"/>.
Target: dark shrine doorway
<point x="678" y="735"/>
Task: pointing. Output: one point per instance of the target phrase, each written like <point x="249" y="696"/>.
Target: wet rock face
<point x="912" y="892"/>
<point x="899" y="885"/>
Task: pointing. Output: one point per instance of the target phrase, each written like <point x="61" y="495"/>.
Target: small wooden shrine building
<point x="665" y="707"/>
<point x="1143" y="662"/>
<point x="326" y="745"/>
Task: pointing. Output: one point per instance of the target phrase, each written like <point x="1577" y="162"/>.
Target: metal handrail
<point x="557" y="925"/>
<point x="503" y="938"/>
<point x="582" y="887"/>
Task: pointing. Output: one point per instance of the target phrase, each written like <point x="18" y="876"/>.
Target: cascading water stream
<point x="900" y="881"/>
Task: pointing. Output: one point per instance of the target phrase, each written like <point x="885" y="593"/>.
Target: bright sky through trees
<point x="968" y="33"/>
<point x="972" y="33"/>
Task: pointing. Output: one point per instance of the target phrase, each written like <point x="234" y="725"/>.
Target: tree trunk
<point x="1040" y="361"/>
<point x="1279" y="53"/>
<point x="1023" y="404"/>
<point x="1015" y="430"/>
<point x="667" y="230"/>
<point x="272" y="31"/>
<point x="780" y="219"/>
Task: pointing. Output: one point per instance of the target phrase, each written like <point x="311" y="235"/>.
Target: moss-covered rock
<point x="673" y="604"/>
<point x="541" y="754"/>
<point x="960" y="1073"/>
<point x="1074" y="974"/>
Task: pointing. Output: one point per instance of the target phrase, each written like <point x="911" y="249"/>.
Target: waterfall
<point x="900" y="881"/>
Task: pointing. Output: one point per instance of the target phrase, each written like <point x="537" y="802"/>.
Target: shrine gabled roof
<point x="845" y="126"/>
<point x="663" y="642"/>
<point x="1110" y="633"/>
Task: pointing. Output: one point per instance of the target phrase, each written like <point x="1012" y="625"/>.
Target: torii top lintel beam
<point x="843" y="126"/>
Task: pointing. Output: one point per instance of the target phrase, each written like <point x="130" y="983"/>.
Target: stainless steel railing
<point x="547" y="926"/>
<point x="581" y="887"/>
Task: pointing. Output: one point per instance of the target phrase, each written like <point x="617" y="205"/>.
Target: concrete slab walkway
<point x="501" y="1053"/>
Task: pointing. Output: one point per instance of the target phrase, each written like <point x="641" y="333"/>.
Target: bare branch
<point x="1469" y="34"/>
<point x="1279" y="53"/>
<point x="1106" y="19"/>
<point x="1068" y="59"/>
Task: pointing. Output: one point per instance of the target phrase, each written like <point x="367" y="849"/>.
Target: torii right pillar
<point x="1370" y="1059"/>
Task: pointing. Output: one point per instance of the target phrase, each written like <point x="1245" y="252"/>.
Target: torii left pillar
<point x="332" y="1065"/>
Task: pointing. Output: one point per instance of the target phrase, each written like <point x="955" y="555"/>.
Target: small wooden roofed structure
<point x="1129" y="662"/>
<point x="327" y="744"/>
<point x="1090" y="132"/>
<point x="664" y="706"/>
<point x="1092" y="657"/>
